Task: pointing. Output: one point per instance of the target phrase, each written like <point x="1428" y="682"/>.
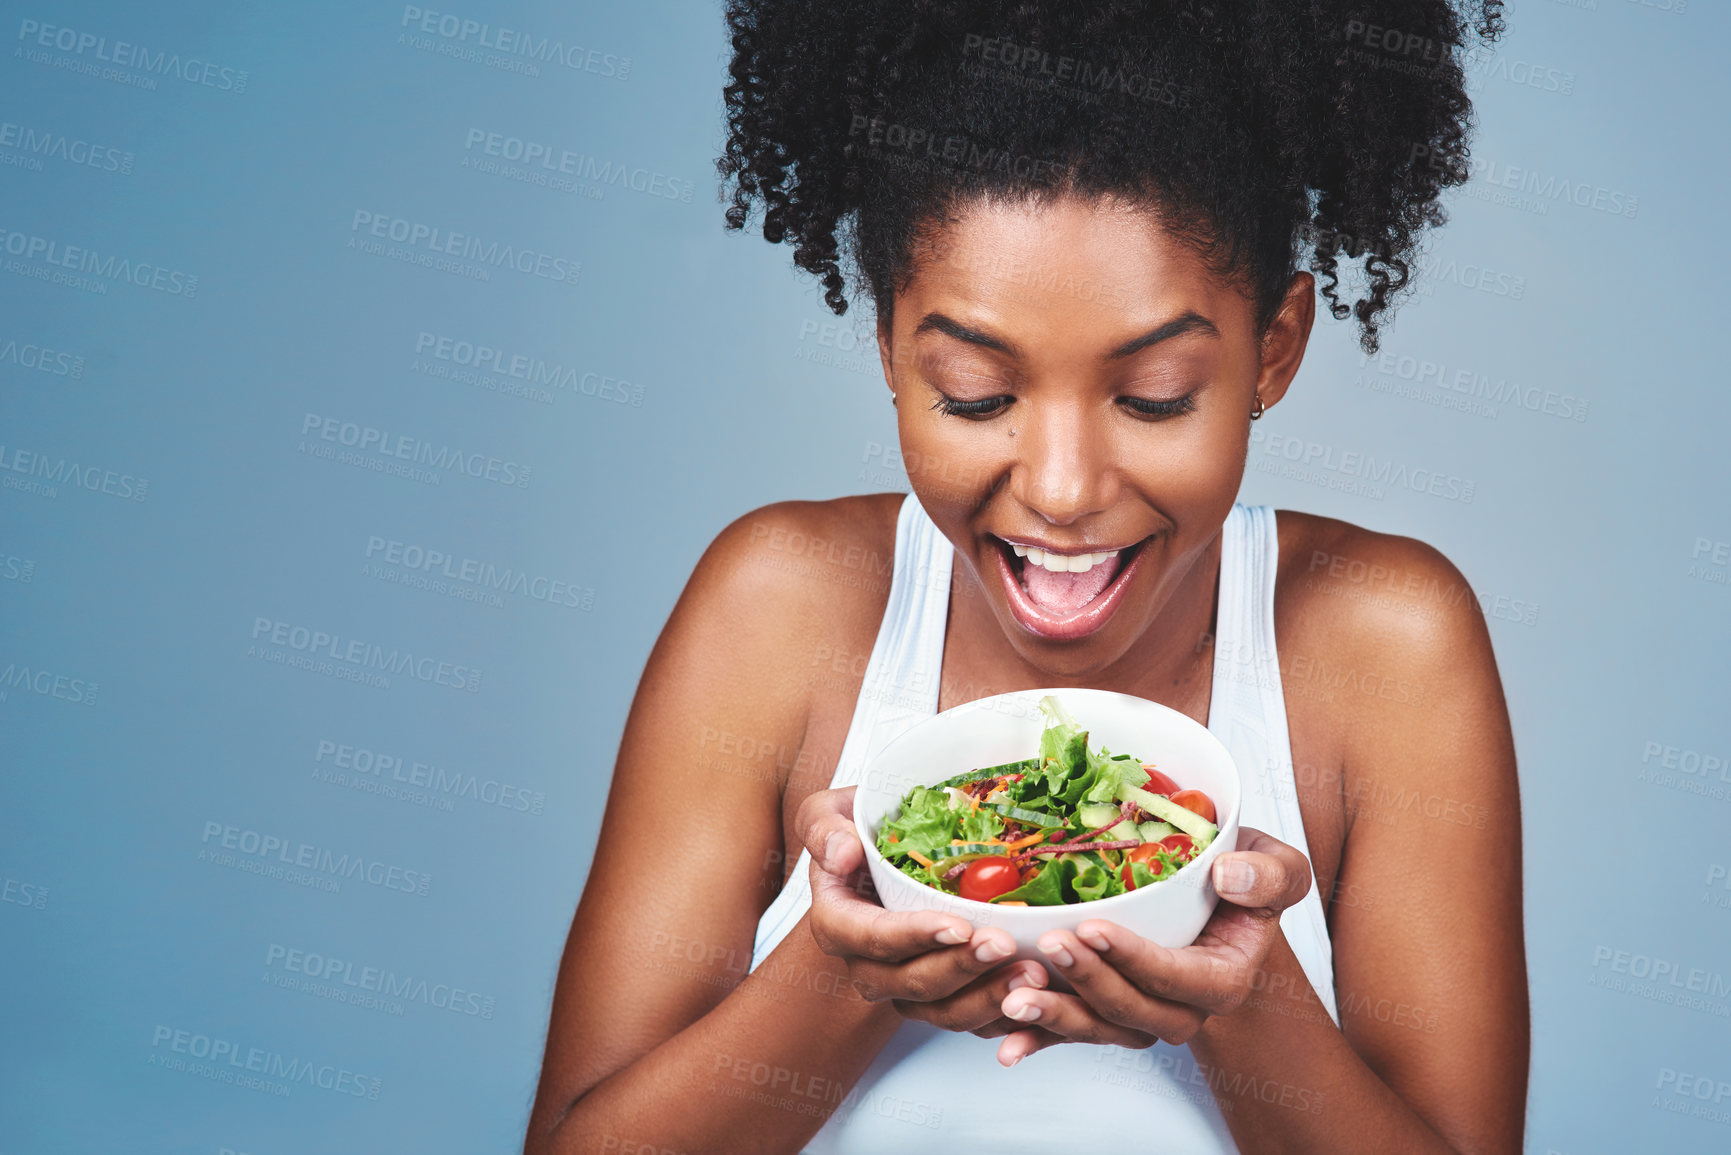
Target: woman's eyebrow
<point x="1190" y="322"/>
<point x="938" y="323"/>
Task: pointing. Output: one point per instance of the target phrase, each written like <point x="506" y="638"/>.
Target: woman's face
<point x="1074" y="389"/>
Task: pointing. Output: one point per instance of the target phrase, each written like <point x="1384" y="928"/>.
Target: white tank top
<point x="935" y="1091"/>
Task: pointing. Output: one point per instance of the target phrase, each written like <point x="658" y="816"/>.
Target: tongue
<point x="1065" y="593"/>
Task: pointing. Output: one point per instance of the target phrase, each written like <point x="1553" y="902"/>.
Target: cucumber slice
<point x="1161" y="807"/>
<point x="1031" y="817"/>
<point x="969" y="849"/>
<point x="1153" y="830"/>
<point x="1125" y="830"/>
<point x="967" y="776"/>
<point x="1096" y="814"/>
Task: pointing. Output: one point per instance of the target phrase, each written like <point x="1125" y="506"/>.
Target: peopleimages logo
<point x="1352" y="471"/>
<point x="535" y="371"/>
<point x="123" y="54"/>
<point x="343" y="973"/>
<point x="435" y="563"/>
<point x="553" y="160"/>
<point x="338" y="760"/>
<point x="1478" y="386"/>
<point x="432" y="240"/>
<point x="275" y="851"/>
<point x="511" y="42"/>
<point x="45" y="142"/>
<point x="40" y="358"/>
<point x="46" y="683"/>
<point x="49" y="472"/>
<point x="400" y="447"/>
<point x="365" y="655"/>
<point x="81" y="259"/>
<point x="238" y="1061"/>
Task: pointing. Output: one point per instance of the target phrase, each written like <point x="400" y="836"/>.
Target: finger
<point x="930" y="974"/>
<point x="1071" y="1019"/>
<point x="848" y="926"/>
<point x="977" y="1005"/>
<point x="824" y="823"/>
<point x="1024" y="1042"/>
<point x="998" y="1028"/>
<point x="1212" y="976"/>
<point x="1115" y="996"/>
<point x="1264" y="873"/>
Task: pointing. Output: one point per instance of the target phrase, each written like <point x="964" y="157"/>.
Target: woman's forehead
<point x="1063" y="263"/>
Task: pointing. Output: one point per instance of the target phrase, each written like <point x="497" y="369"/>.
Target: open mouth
<point x="1065" y="595"/>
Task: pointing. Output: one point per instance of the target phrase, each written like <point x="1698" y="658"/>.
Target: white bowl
<point x="1006" y="728"/>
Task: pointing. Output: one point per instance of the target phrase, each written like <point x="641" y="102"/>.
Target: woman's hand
<point x="932" y="967"/>
<point x="1133" y="992"/>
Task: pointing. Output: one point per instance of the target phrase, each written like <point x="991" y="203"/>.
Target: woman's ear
<point x="886" y="357"/>
<point x="1284" y="341"/>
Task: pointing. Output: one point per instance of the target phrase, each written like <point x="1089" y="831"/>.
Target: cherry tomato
<point x="1196" y="802"/>
<point x="986" y="878"/>
<point x="1158" y="783"/>
<point x="1146" y="854"/>
<point x="1181" y="845"/>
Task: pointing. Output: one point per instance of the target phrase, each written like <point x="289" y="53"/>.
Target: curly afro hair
<point x="1265" y="132"/>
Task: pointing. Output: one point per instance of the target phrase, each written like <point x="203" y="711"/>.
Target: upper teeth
<point x="1059" y="562"/>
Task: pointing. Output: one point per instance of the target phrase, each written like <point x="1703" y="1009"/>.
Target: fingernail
<point x="832" y="846"/>
<point x="950" y="936"/>
<point x="1234" y="876"/>
<point x="1058" y="954"/>
<point x="1026" y="1014"/>
<point x="1032" y="977"/>
<point x="1094" y="939"/>
<point x="991" y="950"/>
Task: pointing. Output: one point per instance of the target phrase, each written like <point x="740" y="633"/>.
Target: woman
<point x="1082" y="232"/>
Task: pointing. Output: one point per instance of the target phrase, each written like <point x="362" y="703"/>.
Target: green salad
<point x="1067" y="825"/>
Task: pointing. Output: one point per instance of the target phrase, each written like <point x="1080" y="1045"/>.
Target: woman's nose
<point x="1062" y="472"/>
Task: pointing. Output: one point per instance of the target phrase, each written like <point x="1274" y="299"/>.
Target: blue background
<point x="696" y="376"/>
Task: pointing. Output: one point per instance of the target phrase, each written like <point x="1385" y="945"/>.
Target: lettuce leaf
<point x="977" y="825"/>
<point x="1063" y="751"/>
<point x="1109" y="772"/>
<point x="926" y="823"/>
<point x="1046" y="888"/>
<point x="1094" y="881"/>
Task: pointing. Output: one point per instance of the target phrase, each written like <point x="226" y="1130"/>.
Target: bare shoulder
<point x="789" y="582"/>
<point x="1354" y="592"/>
<point x="795" y="561"/>
<point x="1384" y="654"/>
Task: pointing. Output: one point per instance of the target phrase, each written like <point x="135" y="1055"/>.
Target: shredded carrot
<point x="895" y="837"/>
<point x="1029" y="840"/>
<point x="919" y="858"/>
<point x="976" y="842"/>
<point x="1011" y="902"/>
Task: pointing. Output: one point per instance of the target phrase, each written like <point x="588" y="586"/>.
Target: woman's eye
<point x="952" y="407"/>
<point x="1155" y="410"/>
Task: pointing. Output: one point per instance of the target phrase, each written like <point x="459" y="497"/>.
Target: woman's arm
<point x="657" y="1035"/>
<point x="1429" y="961"/>
<point x="1429" y="956"/>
